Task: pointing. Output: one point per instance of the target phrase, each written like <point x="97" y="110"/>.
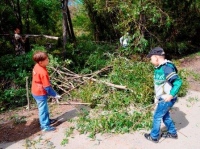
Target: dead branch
<point x="67" y="80"/>
<point x="27" y="94"/>
<point x="75" y="103"/>
<point x="35" y="36"/>
<point x="107" y="83"/>
<point x="46" y="36"/>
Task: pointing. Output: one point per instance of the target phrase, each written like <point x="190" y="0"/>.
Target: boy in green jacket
<point x="166" y="84"/>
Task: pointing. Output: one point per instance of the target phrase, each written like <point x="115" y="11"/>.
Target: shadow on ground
<point x="179" y="118"/>
<point x="69" y="115"/>
<point x="12" y="132"/>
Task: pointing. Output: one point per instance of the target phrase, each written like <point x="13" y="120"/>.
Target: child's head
<point x="17" y="30"/>
<point x="41" y="58"/>
<point x="157" y="55"/>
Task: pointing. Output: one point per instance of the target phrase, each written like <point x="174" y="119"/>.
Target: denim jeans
<point x="162" y="113"/>
<point x="43" y="111"/>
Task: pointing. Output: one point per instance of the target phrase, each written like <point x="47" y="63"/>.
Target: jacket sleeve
<point x="176" y="85"/>
<point x="50" y="91"/>
<point x="173" y="78"/>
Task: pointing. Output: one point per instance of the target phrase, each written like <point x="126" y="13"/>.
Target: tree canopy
<point x="170" y="24"/>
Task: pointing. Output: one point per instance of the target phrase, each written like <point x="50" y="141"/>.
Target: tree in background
<point x="31" y="16"/>
<point x="170" y="24"/>
<point x="67" y="24"/>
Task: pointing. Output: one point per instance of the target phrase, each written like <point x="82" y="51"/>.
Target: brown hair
<point x="39" y="56"/>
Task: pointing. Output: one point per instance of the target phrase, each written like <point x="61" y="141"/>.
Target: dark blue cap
<point x="156" y="51"/>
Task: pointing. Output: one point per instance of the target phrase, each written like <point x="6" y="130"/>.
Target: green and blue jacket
<point x="166" y="79"/>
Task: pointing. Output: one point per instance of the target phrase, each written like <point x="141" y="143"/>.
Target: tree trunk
<point x="64" y="4"/>
<point x="72" y="36"/>
<point x="17" y="12"/>
<point x="27" y="43"/>
<point x="68" y="30"/>
<point x="19" y="16"/>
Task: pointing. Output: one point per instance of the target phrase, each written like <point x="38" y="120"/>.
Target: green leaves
<point x="119" y="111"/>
<point x="116" y="110"/>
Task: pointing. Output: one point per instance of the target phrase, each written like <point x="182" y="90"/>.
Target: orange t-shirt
<point x="40" y="80"/>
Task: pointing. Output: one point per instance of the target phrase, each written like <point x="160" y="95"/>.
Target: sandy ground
<point x="185" y="114"/>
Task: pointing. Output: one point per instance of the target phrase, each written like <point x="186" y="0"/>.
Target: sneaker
<point x="148" y="137"/>
<point x="52" y="121"/>
<point x="169" y="135"/>
<point x="49" y="128"/>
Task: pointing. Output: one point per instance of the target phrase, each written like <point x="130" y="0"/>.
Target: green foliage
<point x="13" y="73"/>
<point x="69" y="131"/>
<point x="183" y="75"/>
<point x="45" y="15"/>
<point x="38" y="143"/>
<point x="18" y="120"/>
<point x="195" y="75"/>
<point x="113" y="122"/>
<point x="112" y="112"/>
<point x="81" y="22"/>
<point x="134" y="75"/>
<point x="87" y="56"/>
<point x="118" y="111"/>
<point x="150" y="23"/>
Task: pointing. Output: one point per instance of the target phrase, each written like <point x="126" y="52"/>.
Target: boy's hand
<point x="57" y="97"/>
<point x="168" y="98"/>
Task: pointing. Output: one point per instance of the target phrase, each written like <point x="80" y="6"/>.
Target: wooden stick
<point x="107" y="83"/>
<point x="27" y="94"/>
<point x="74" y="103"/>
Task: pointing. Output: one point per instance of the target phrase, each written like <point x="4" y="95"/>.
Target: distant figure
<point x="124" y="40"/>
<point x="19" y="42"/>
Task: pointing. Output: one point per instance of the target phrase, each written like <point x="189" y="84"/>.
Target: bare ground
<point x="17" y="133"/>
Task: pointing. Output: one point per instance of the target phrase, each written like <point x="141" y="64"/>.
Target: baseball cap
<point x="156" y="51"/>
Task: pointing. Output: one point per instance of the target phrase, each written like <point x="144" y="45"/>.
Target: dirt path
<point x="185" y="114"/>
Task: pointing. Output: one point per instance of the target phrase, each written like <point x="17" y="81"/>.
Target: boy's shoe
<point x="52" y="121"/>
<point x="49" y="128"/>
<point x="148" y="137"/>
<point x="169" y="135"/>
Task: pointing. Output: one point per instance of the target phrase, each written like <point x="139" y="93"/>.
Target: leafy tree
<point x="171" y="24"/>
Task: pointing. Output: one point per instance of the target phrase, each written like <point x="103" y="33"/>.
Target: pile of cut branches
<point x="66" y="80"/>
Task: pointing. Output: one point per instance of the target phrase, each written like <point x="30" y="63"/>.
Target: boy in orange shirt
<point x="41" y="89"/>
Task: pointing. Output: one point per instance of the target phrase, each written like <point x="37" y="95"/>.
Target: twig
<point x="74" y="103"/>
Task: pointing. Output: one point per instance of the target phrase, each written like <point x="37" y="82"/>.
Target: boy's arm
<point x="50" y="91"/>
<point x="47" y="86"/>
<point x="176" y="85"/>
<point x="173" y="78"/>
<point x="175" y="88"/>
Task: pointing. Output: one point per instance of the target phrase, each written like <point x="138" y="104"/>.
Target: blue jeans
<point x="162" y="113"/>
<point x="43" y="111"/>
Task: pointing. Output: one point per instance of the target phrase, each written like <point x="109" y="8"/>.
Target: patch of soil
<point x="24" y="124"/>
<point x="193" y="65"/>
